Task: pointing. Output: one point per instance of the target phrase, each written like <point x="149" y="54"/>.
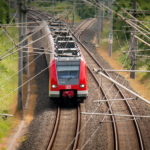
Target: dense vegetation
<point x="4" y="12"/>
<point x="119" y="24"/>
<point x="82" y="10"/>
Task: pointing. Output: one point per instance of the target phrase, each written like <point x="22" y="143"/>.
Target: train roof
<point x="64" y="44"/>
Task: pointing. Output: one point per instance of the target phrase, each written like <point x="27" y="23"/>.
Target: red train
<point x="67" y="71"/>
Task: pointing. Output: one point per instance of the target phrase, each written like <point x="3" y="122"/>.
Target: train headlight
<point x="54" y="86"/>
<point x="82" y="85"/>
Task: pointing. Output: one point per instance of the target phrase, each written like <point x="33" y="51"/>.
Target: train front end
<point x="68" y="79"/>
<point x="67" y="73"/>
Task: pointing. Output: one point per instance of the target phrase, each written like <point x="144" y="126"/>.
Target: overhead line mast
<point x="20" y="65"/>
<point x="111" y="32"/>
<point x="98" y="28"/>
<point x="133" y="45"/>
<point x="102" y="19"/>
<point x="21" y="58"/>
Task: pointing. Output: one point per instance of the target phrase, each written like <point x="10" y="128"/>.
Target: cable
<point x="96" y="107"/>
<point x="28" y="64"/>
<point x="10" y="21"/>
<point x="32" y="34"/>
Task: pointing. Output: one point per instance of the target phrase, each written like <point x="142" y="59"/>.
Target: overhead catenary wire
<point x="121" y="115"/>
<point x="127" y="31"/>
<point x="28" y="37"/>
<point x="23" y="40"/>
<point x="17" y="23"/>
<point x="123" y="87"/>
<point x="24" y="46"/>
<point x="111" y="70"/>
<point x="8" y="26"/>
<point x="23" y="34"/>
<point x="121" y="46"/>
<point x="25" y="83"/>
<point x="11" y="20"/>
<point x="145" y="31"/>
<point x="22" y="26"/>
<point x="130" y="23"/>
<point x="124" y="19"/>
<point x="139" y="20"/>
<point x="20" y="35"/>
<point x="94" y="111"/>
<point x="10" y="38"/>
<point x="38" y="52"/>
<point x="135" y="19"/>
<point x="28" y="64"/>
<point x="140" y="50"/>
<point x="31" y="78"/>
<point x="142" y="11"/>
<point x="91" y="114"/>
<point x="20" y="57"/>
<point x="134" y="9"/>
<point x="102" y="119"/>
<point x="37" y="48"/>
<point x="143" y="56"/>
<point x="140" y="39"/>
<point x="95" y="101"/>
<point x="85" y="123"/>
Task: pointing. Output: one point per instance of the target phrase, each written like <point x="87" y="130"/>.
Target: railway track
<point x="59" y="124"/>
<point x="54" y="145"/>
<point x="116" y="125"/>
<point x="90" y="22"/>
<point x="119" y="128"/>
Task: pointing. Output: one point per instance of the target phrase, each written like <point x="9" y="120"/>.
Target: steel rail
<point x="32" y="14"/>
<point x="56" y="126"/>
<point x="108" y="104"/>
<point x="55" y="130"/>
<point x="130" y="110"/>
<point x="58" y="109"/>
<point x="116" y="145"/>
<point x="78" y="129"/>
<point x="38" y="14"/>
<point x="32" y="17"/>
<point x="122" y="95"/>
<point x="80" y="26"/>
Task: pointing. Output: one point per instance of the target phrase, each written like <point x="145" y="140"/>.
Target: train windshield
<point x="67" y="72"/>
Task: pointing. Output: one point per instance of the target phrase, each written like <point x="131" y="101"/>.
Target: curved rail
<point x="55" y="130"/>
<point x="113" y="119"/>
<point x="78" y="129"/>
<point x="122" y="95"/>
<point x="58" y="111"/>
<point x="35" y="18"/>
<point x="116" y="145"/>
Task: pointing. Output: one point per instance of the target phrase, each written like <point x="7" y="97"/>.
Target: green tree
<point x="4" y="12"/>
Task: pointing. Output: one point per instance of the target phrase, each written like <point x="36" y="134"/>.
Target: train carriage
<point x="67" y="71"/>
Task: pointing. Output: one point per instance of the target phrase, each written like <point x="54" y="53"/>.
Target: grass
<point x="8" y="67"/>
<point x="5" y="126"/>
<point x="4" y="148"/>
